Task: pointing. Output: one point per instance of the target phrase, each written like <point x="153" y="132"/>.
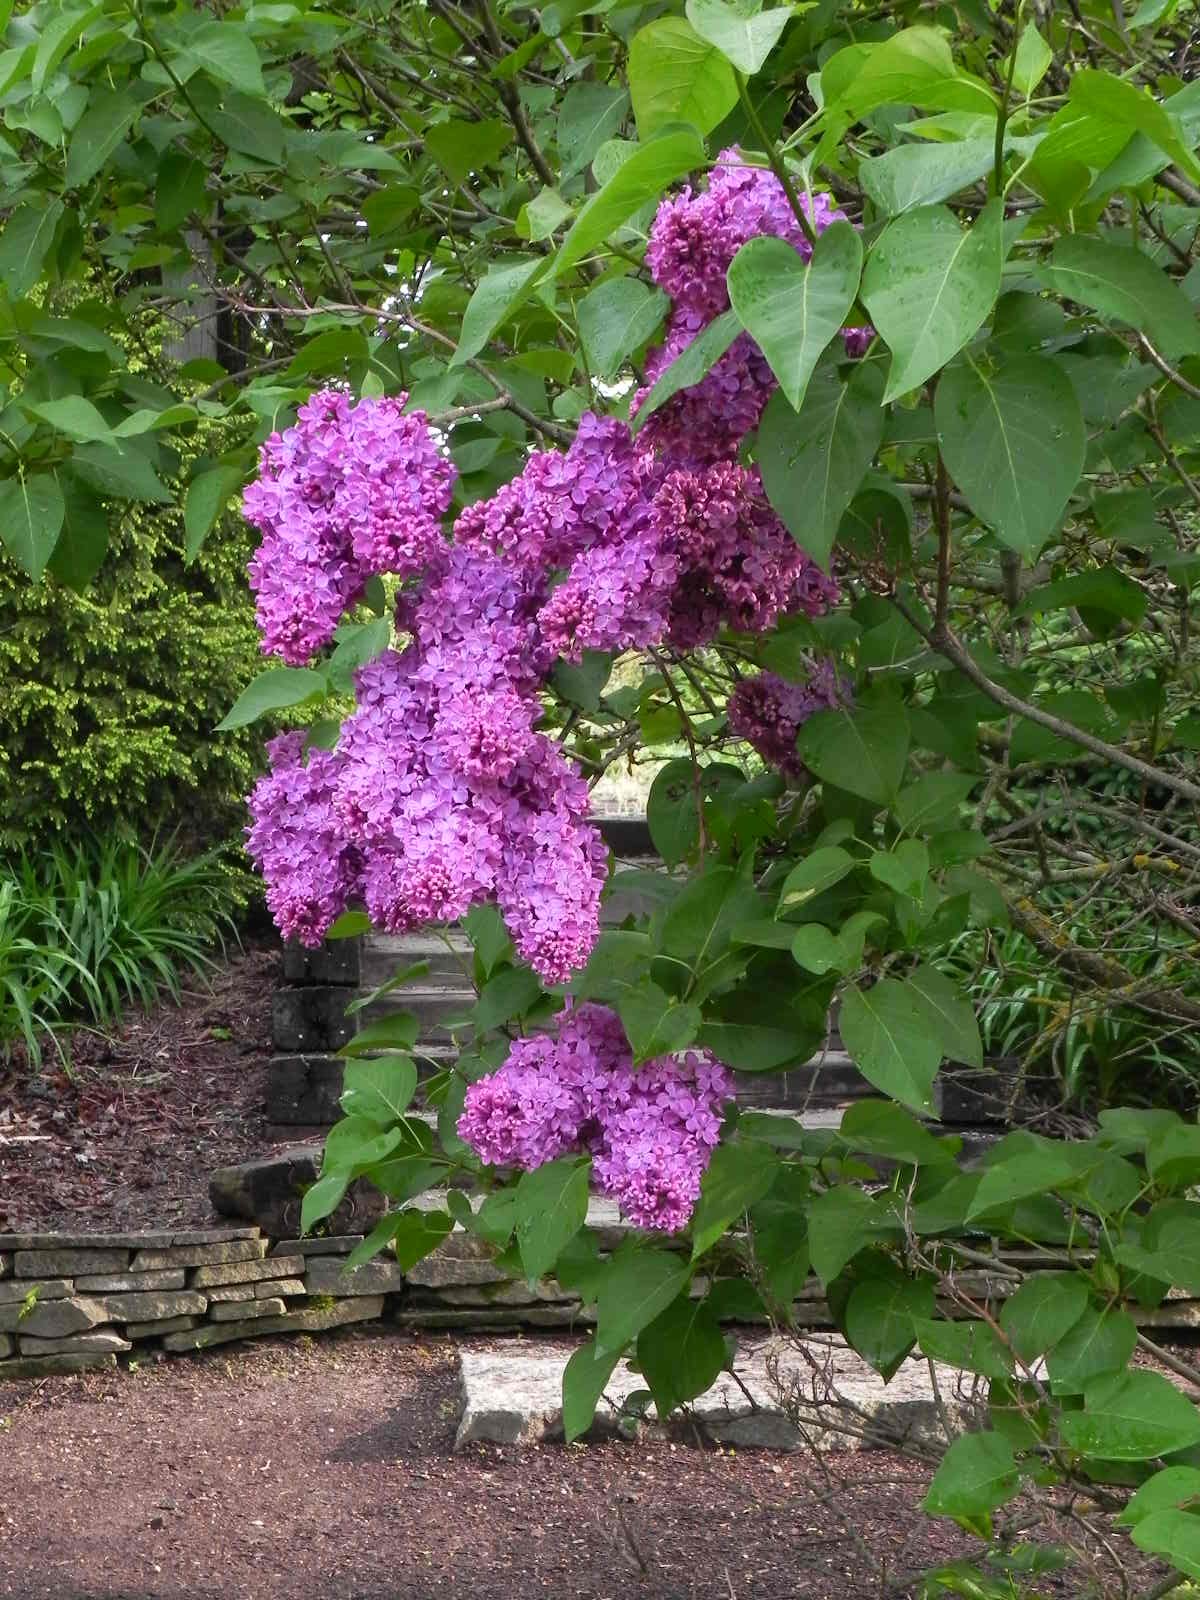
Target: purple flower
<point x="768" y="711"/>
<point x="650" y="1130"/>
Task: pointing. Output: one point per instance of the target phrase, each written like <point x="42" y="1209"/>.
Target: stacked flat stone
<point x="74" y="1302"/>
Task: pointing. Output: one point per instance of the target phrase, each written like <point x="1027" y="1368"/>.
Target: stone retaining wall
<point x="71" y="1302"/>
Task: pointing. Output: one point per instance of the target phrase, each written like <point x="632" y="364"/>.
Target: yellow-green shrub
<point x="109" y="698"/>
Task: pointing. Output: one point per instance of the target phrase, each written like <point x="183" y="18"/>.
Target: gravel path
<point x="323" y="1470"/>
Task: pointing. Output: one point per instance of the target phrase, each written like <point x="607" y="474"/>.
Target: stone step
<point x="784" y="1397"/>
<point x="386" y="954"/>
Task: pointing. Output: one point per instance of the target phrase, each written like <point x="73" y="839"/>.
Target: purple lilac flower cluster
<point x="768" y="711"/>
<point x="692" y="243"/>
<point x="442" y="791"/>
<point x="351" y="491"/>
<point x="650" y="1129"/>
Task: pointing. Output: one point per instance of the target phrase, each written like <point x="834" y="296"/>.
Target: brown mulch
<point x="125" y="1131"/>
<point x="324" y="1470"/>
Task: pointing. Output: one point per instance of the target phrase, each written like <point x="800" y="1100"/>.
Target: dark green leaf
<point x="792" y="309"/>
<point x="814" y="461"/>
<point x="687" y="369"/>
<point x="681" y="1353"/>
<point x="863" y="751"/>
<point x="95" y="137"/>
<point x="977" y="1474"/>
<point x="637" y="1284"/>
<point x="654" y="1023"/>
<point x="886" y="1031"/>
<point x="379" y="1090"/>
<point x="1014" y="442"/>
<point x="273" y="690"/>
<point x="584" y="1378"/>
<point x="31" y="518"/>
<point x="1120" y="282"/>
<point x="1131" y="1416"/>
<point x="551" y="1208"/>
<point x="737" y="1176"/>
<point x="25" y="243"/>
<point x="615" y="319"/>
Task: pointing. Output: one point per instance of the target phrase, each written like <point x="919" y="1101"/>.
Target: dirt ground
<point x="323" y="1470"/>
<point x="125" y="1131"/>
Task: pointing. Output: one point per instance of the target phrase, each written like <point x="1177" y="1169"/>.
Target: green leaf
<point x="25" y="243"/>
<point x="1034" y="57"/>
<point x="813" y="461"/>
<point x="1029" y="1165"/>
<point x="355" y="1143"/>
<point x="1174" y="1535"/>
<point x="818" y="871"/>
<point x="83" y="542"/>
<point x="681" y="1353"/>
<point x="886" y="1031"/>
<point x="350" y="925"/>
<point x="637" y="1284"/>
<point x="687" y="369"/>
<point x="590" y="114"/>
<point x="793" y="310"/>
<point x="461" y="148"/>
<point x="108" y="118"/>
<point x="969" y="1346"/>
<point x="584" y="1378"/>
<point x="509" y="993"/>
<point x="207" y="496"/>
<point x="1131" y="1416"/>
<point x="863" y="750"/>
<point x="676" y="76"/>
<point x="273" y="690"/>
<point x="977" y="1474"/>
<point x="73" y="415"/>
<point x="1121" y="283"/>
<point x="920" y="175"/>
<point x="1101" y="1342"/>
<point x="1043" y="1311"/>
<point x="616" y="318"/>
<point x="932" y="802"/>
<point x="395" y="1032"/>
<point x="737" y="1176"/>
<point x="120" y="471"/>
<point x="32" y="510"/>
<point x="379" y="1090"/>
<point x="1173" y="1158"/>
<point x="879" y="1315"/>
<point x="322" y="1199"/>
<point x="494" y="301"/>
<point x="1014" y="442"/>
<point x="1105" y="589"/>
<point x="905" y="870"/>
<point x="949" y="1015"/>
<point x="542" y="216"/>
<point x="226" y="52"/>
<point x="249" y="126"/>
<point x="1114" y="100"/>
<point x="928" y="285"/>
<point x="841" y="1222"/>
<point x="180" y="190"/>
<point x="551" y="1208"/>
<point x="1166" y="1490"/>
<point x="654" y="1023"/>
<point x="671" y="806"/>
<point x="820" y="951"/>
<point x="881" y="1128"/>
<point x="416" y="1233"/>
<point x="642" y="178"/>
<point x="744" y="39"/>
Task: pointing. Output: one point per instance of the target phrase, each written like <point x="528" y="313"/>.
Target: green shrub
<point x="88" y="930"/>
<point x="112" y="695"/>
